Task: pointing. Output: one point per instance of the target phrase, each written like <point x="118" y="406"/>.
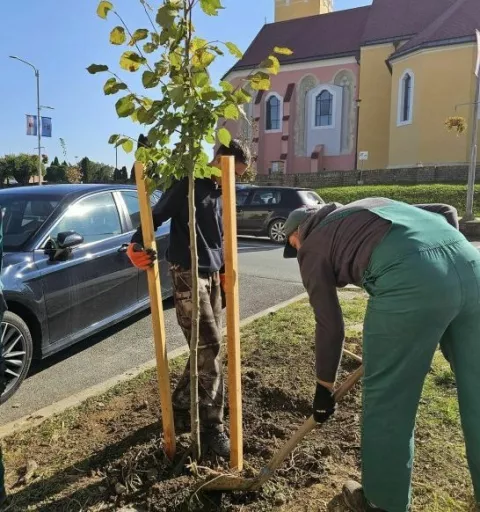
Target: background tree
<point x="7" y="166"/>
<point x="56" y="172"/>
<point x="123" y="175"/>
<point x="184" y="113"/>
<point x="25" y="166"/>
<point x="73" y="174"/>
<point x="85" y="169"/>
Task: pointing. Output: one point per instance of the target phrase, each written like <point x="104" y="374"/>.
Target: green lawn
<point x="454" y="195"/>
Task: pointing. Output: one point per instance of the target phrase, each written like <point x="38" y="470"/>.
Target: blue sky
<point x="62" y="38"/>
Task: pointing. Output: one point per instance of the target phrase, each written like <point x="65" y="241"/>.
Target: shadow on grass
<point x="45" y="489"/>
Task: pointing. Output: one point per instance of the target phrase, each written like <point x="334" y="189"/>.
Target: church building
<point x="377" y="81"/>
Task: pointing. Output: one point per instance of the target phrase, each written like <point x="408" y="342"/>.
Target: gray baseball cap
<point x="295" y="219"/>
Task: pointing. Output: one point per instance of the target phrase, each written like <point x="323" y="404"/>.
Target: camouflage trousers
<point x="210" y="367"/>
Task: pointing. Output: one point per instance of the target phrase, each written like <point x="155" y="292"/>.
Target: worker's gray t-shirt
<point x="335" y="252"/>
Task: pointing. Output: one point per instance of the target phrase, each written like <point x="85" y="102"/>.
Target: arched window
<point x="405" y="98"/>
<point x="324" y="109"/>
<point x="273" y="116"/>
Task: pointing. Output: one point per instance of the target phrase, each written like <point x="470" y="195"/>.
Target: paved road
<point x="266" y="279"/>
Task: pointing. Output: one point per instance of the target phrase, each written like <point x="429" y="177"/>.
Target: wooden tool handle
<point x="307" y="427"/>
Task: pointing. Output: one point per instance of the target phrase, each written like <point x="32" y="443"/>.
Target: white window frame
<point x="401" y="95"/>
<point x="280" y="99"/>
<point x="313" y="106"/>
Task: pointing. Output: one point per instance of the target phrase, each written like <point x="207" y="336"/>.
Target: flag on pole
<point x="32" y="127"/>
<point x="477" y="67"/>
<point x="46" y="126"/>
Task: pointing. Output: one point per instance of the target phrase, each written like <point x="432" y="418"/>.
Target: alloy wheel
<point x="277" y="233"/>
<point x="14" y="350"/>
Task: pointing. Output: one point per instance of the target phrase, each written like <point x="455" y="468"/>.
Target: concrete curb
<point x="38" y="417"/>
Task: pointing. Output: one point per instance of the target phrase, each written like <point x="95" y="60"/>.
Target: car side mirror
<point x="69" y="239"/>
<point x="60" y="249"/>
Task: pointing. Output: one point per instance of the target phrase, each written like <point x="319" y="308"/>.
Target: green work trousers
<point x="424" y="287"/>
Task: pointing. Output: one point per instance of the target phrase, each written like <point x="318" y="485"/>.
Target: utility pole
<point x="39" y="118"/>
<point x="470" y="215"/>
<point x="473" y="152"/>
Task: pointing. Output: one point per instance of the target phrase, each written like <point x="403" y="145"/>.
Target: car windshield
<point x="23" y="217"/>
<point x="310" y="198"/>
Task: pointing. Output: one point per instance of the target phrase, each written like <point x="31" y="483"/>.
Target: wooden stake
<point x="158" y="322"/>
<point x="233" y="311"/>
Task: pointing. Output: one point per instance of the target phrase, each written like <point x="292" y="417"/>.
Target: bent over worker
<point x="174" y="205"/>
<point x="423" y="279"/>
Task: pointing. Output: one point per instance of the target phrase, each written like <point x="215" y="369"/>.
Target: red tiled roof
<point x="338" y="34"/>
<point x="313" y="38"/>
<point x="394" y="19"/>
<point x="458" y="22"/>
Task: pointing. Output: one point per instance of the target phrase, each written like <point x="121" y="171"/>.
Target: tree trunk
<point x="194" y="401"/>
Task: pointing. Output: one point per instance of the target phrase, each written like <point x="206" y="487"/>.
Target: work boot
<point x="217" y="442"/>
<point x="355" y="500"/>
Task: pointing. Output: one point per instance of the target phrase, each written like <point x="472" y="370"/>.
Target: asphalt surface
<point x="266" y="279"/>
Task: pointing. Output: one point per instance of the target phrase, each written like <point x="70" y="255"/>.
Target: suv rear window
<point x="310" y="198"/>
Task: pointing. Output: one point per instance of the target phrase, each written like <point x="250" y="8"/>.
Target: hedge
<point x="455" y="195"/>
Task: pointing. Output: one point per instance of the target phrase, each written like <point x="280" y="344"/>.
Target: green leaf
<point x="103" y="9"/>
<point x="210" y="139"/>
<point x="176" y="95"/>
<point x="210" y="94"/>
<point x="125" y="106"/>
<point x="226" y="86"/>
<point x="282" y="51"/>
<point x="113" y="139"/>
<point x="198" y="43"/>
<point x="145" y="116"/>
<point x="141" y="155"/>
<point x="150" y="79"/>
<point x="120" y="141"/>
<point x="112" y="86"/>
<point x="202" y="58"/>
<point x="150" y="47"/>
<point x="224" y="137"/>
<point x="127" y="146"/>
<point x="211" y="7"/>
<point x="117" y="36"/>
<point x="200" y="78"/>
<point x="97" y="68"/>
<point x="260" y="81"/>
<point x="271" y="64"/>
<point x="131" y="61"/>
<point x="242" y="96"/>
<point x="234" y="50"/>
<point x="230" y="111"/>
<point x="175" y="60"/>
<point x="139" y="35"/>
<point x="166" y="16"/>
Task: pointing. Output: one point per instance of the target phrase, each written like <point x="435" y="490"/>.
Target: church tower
<point x="291" y="9"/>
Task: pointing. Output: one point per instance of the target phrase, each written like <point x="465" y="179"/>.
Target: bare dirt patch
<point x="107" y="454"/>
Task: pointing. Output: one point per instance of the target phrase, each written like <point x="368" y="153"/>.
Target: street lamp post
<point x="39" y="119"/>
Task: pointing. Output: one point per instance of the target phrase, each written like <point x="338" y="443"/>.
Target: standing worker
<point x="174" y="205"/>
<point x="423" y="279"/>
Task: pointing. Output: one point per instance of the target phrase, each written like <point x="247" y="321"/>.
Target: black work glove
<point x="323" y="404"/>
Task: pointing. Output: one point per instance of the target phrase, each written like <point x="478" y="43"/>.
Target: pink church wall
<point x="270" y="144"/>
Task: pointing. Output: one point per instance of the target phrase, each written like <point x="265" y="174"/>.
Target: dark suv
<point x="262" y="211"/>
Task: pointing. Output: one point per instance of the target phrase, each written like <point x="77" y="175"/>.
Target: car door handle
<point x="123" y="248"/>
